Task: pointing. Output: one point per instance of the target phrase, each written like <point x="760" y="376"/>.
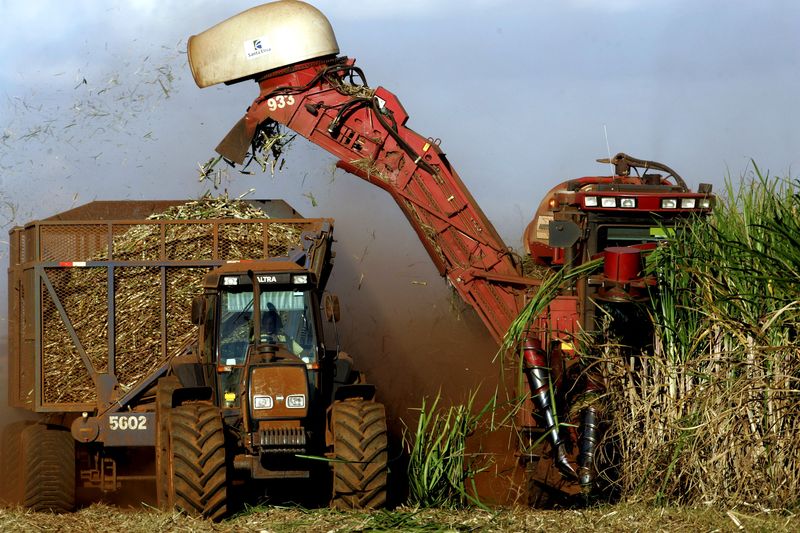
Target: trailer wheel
<point x="48" y="468"/>
<point x="360" y="448"/>
<point x="11" y="469"/>
<point x="198" y="473"/>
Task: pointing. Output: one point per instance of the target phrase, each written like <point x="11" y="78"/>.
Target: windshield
<point x="285" y="320"/>
<point x="629" y="235"/>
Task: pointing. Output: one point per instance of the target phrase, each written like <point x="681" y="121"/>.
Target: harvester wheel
<point x="546" y="486"/>
<point x="48" y="468"/>
<point x="11" y="469"/>
<point x="198" y="473"/>
<point x="360" y="449"/>
<point x="536" y="476"/>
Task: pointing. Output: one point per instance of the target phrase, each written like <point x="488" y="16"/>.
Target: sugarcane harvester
<point x="288" y="47"/>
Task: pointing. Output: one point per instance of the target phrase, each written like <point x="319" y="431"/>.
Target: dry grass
<point x="276" y="519"/>
<point x="712" y="414"/>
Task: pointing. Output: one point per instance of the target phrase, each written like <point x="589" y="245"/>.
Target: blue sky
<point x="521" y="94"/>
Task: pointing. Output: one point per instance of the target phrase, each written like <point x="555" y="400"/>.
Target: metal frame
<point x="41" y="286"/>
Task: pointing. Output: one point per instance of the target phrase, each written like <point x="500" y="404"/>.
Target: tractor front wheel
<point x="360" y="465"/>
<point x="198" y="471"/>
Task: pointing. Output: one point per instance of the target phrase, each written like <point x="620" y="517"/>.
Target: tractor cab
<point x="261" y="349"/>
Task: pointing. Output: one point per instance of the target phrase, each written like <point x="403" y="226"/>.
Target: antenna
<point x="608" y="151"/>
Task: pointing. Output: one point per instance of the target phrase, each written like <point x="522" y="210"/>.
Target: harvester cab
<point x="618" y="218"/>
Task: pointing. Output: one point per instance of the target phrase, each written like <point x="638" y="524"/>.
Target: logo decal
<point x="256" y="47"/>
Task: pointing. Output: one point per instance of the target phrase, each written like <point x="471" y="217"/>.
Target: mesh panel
<point x="137" y="242"/>
<point x="183" y="284"/>
<point x="64" y="376"/>
<point x="241" y="240"/>
<point x="138" y="318"/>
<point x="283" y="237"/>
<point x="188" y="241"/>
<point x="73" y="242"/>
<point x="82" y="292"/>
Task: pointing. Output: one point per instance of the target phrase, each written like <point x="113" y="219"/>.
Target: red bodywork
<point x="457" y="235"/>
<point x="366" y="130"/>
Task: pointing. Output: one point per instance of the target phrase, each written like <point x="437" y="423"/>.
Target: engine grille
<point x="282" y="440"/>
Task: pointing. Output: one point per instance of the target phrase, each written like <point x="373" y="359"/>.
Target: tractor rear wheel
<point x="198" y="471"/>
<point x="361" y="457"/>
<point x="48" y="468"/>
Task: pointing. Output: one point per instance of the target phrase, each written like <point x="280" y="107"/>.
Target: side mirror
<point x="330" y="304"/>
<point x="198" y="309"/>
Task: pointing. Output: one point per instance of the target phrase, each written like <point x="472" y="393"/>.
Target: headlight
<point x="296" y="401"/>
<point x="628" y="203"/>
<point x="608" y="202"/>
<point x="590" y="201"/>
<point x="669" y="203"/>
<point x="688" y="203"/>
<point x="230" y="280"/>
<point x="262" y="402"/>
<point x="300" y="279"/>
<point x="705" y="203"/>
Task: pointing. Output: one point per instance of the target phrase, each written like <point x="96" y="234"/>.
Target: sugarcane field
<point x="400" y="266"/>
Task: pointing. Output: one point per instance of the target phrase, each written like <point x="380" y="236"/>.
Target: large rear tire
<point x="48" y="469"/>
<point x="198" y="471"/>
<point x="360" y="445"/>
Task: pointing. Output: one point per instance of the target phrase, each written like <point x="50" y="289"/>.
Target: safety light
<point x="262" y="402"/>
<point x="627" y="203"/>
<point x="296" y="401"/>
<point x="688" y="203"/>
<point x="669" y="203"/>
<point x="608" y="202"/>
<point x="590" y="201"/>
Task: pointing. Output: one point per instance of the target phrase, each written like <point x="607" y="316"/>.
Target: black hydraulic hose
<point x="392" y="129"/>
<point x="346" y="109"/>
<point x="350" y="105"/>
<point x="295" y="89"/>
